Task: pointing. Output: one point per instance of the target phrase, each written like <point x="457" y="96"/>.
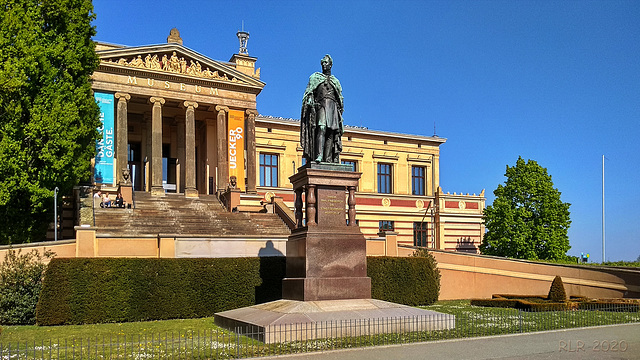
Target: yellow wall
<point x="459" y="228"/>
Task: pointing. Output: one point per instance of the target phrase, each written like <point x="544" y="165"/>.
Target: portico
<point x="180" y="119"/>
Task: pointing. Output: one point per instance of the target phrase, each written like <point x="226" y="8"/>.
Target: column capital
<point x="121" y="96"/>
<point x="221" y="108"/>
<point x="188" y="104"/>
<point x="252" y="112"/>
<point x="155" y="100"/>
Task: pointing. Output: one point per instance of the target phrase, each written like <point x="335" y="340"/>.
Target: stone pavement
<point x="602" y="342"/>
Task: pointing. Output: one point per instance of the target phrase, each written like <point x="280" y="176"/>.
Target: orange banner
<point x="236" y="146"/>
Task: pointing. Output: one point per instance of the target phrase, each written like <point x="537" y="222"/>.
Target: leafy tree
<point x="527" y="219"/>
<point x="20" y="284"/>
<point x="48" y="116"/>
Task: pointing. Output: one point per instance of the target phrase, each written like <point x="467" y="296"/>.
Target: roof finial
<point x="174" y="36"/>
<point x="243" y="36"/>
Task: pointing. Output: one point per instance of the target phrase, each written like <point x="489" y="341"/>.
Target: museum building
<point x="177" y="123"/>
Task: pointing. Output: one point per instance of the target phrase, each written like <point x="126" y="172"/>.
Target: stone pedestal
<point x="326" y="258"/>
<point x="231" y="198"/>
<point x="127" y="193"/>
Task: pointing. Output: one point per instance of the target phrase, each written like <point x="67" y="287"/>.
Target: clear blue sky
<point x="553" y="81"/>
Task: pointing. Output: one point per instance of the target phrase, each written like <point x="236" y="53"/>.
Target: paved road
<point x="602" y="342"/>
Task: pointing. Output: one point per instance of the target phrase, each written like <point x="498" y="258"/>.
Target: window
<point x="350" y="163"/>
<point x="384" y="178"/>
<point x="419" y="234"/>
<point x="385" y="225"/>
<point x="417" y="180"/>
<point x="268" y="170"/>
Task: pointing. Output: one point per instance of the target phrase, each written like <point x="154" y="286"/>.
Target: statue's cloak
<point x="308" y="115"/>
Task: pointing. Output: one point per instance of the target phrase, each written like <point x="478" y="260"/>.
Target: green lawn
<point x="44" y="333"/>
<point x="200" y="338"/>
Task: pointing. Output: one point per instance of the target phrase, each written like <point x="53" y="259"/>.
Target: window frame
<point x="388" y="177"/>
<point x="349" y="162"/>
<point x="421" y="228"/>
<point x="382" y="223"/>
<point x="273" y="169"/>
<point x="422" y="189"/>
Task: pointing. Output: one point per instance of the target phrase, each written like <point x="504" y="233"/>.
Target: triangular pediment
<point x="176" y="59"/>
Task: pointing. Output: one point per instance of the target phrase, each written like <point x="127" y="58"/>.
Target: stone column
<point x="122" y="140"/>
<point x="250" y="139"/>
<point x="190" y="149"/>
<point x="311" y="205"/>
<point x="180" y="152"/>
<point x="298" y="207"/>
<point x="223" y="160"/>
<point x="156" y="146"/>
<point x="352" y="205"/>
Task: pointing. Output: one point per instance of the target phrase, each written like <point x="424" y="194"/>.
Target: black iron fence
<point x="245" y="341"/>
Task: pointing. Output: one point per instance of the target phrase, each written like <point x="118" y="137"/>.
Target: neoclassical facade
<point x="179" y="118"/>
<point x="176" y="121"/>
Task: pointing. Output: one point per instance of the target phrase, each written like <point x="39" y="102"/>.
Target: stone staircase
<point x="174" y="214"/>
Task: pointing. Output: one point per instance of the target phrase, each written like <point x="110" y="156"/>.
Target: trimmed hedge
<point x="84" y="291"/>
<point x="557" y="293"/>
<point x="97" y="290"/>
<point x="522" y="304"/>
<point x="410" y="281"/>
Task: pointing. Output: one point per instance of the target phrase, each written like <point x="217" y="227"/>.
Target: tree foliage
<point x="48" y="117"/>
<point x="20" y="284"/>
<point x="527" y="219"/>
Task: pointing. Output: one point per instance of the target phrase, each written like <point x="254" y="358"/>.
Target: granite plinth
<point x="327" y="258"/>
<point x="290" y="320"/>
<point x="326" y="264"/>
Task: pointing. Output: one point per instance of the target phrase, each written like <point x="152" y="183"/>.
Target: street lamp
<point x="55" y="214"/>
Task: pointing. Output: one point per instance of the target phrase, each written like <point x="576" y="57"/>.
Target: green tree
<point x="48" y="116"/>
<point x="527" y="219"/>
<point x="20" y="285"/>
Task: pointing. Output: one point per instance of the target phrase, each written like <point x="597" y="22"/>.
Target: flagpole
<point x="603" y="253"/>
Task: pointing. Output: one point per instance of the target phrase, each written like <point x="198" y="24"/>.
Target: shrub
<point x="78" y="291"/>
<point x="97" y="290"/>
<point x="411" y="281"/>
<point x="557" y="292"/>
<point x="20" y="285"/>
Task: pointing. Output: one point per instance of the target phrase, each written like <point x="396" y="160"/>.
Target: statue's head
<point x="326" y="62"/>
<point x="233" y="181"/>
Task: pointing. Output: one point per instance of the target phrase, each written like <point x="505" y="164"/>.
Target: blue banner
<point x="105" y="145"/>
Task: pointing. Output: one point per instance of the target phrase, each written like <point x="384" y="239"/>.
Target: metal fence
<point x="247" y="342"/>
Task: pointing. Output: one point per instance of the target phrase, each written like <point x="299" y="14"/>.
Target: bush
<point x="410" y="281"/>
<point x="557" y="292"/>
<point x="80" y="290"/>
<point x="20" y="285"/>
<point x="97" y="290"/>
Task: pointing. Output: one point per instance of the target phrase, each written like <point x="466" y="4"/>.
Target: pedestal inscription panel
<point x="331" y="209"/>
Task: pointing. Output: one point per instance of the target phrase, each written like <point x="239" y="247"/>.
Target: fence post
<point x="520" y="318"/>
<point x="237" y="342"/>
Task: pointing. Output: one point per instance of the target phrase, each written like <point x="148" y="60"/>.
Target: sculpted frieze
<point x="174" y="64"/>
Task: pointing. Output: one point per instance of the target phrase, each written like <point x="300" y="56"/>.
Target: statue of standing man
<point x="321" y="119"/>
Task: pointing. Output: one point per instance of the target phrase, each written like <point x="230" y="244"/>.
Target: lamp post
<point x="55" y="213"/>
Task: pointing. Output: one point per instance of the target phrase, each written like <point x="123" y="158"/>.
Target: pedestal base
<point x="326" y="264"/>
<point x="191" y="193"/>
<point x="289" y="320"/>
<point x="314" y="289"/>
<point x="157" y="191"/>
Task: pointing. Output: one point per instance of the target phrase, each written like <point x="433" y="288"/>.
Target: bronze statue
<point x="321" y="119"/>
